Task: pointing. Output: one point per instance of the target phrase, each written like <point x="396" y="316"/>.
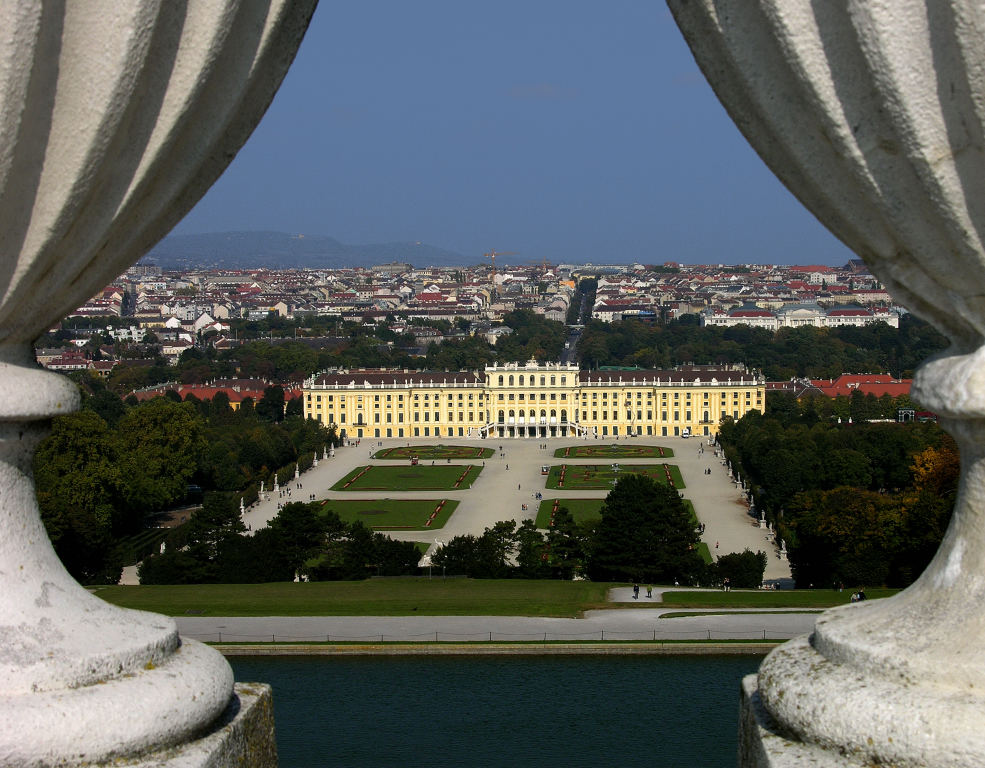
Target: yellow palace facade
<point x="532" y="400"/>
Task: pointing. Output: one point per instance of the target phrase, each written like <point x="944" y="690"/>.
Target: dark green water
<point x="598" y="711"/>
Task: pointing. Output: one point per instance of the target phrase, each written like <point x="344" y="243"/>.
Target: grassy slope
<point x="780" y="598"/>
<point x="375" y="597"/>
<point x="436" y="597"/>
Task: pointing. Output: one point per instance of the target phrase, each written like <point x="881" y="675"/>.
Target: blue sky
<point x="559" y="129"/>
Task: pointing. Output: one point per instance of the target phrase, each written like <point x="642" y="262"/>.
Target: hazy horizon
<point x="560" y="130"/>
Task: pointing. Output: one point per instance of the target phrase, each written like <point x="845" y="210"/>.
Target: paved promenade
<point x="625" y="624"/>
<point x="509" y="481"/>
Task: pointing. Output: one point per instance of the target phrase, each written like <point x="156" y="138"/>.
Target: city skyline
<point x="552" y="131"/>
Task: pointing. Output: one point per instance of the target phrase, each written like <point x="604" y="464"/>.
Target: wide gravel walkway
<point x="511" y="477"/>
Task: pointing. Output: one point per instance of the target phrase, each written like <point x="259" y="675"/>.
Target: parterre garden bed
<point x="441" y="477"/>
<point x="614" y="451"/>
<point x="434" y="452"/>
<point x="585" y="510"/>
<point x="598" y="477"/>
<point x="394" y="514"/>
<point x="581" y="510"/>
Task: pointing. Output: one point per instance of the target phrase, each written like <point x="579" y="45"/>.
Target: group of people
<point x="636" y="591"/>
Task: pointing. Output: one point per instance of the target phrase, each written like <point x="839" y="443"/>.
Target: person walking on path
<point x="636" y="591"/>
<point x="649" y="590"/>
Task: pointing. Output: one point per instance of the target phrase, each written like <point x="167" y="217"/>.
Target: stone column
<point x="871" y="112"/>
<point x="115" y="118"/>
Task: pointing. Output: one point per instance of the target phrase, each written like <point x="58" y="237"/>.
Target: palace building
<point x="532" y="400"/>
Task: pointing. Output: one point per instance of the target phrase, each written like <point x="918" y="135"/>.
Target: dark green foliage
<point x="744" y="570"/>
<point x="271" y="405"/>
<point x="81" y="496"/>
<point x="161" y="445"/>
<point x="483" y="557"/>
<point x="566" y="544"/>
<point x="531" y="551"/>
<point x="856" y="503"/>
<point x="300" y="541"/>
<point x="646" y="533"/>
<point x="803" y="351"/>
<point x="100" y="483"/>
<point x="300" y="532"/>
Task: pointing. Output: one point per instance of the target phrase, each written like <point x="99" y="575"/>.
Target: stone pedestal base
<point x="243" y="737"/>
<point x="762" y="746"/>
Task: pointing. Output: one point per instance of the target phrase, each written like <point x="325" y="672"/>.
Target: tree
<point x="217" y="520"/>
<point x="79" y="486"/>
<point x="300" y="531"/>
<point x="744" y="570"/>
<point x="645" y="533"/>
<point x="565" y="544"/>
<point x="531" y="552"/>
<point x="395" y="558"/>
<point x="457" y="556"/>
<point x="161" y="444"/>
<point x="845" y="535"/>
<point x="271" y="405"/>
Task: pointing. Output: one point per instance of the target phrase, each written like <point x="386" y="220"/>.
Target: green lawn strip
<point x="393" y="514"/>
<point x="704" y="552"/>
<point x="441" y="477"/>
<point x="581" y="510"/>
<point x="614" y="452"/>
<point x="768" y="598"/>
<point x="373" y="597"/>
<point x="597" y="477"/>
<point x="684" y="615"/>
<point x="434" y="452"/>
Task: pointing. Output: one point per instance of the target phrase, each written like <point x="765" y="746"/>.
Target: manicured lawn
<point x="435" y="452"/>
<point x="600" y="477"/>
<point x="581" y="510"/>
<point x="614" y="451"/>
<point x="441" y="477"/>
<point x="394" y="514"/>
<point x="768" y="598"/>
<point x="373" y="597"/>
<point x="704" y="552"/>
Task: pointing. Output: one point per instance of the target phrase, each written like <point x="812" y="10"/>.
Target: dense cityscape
<point x="238" y="382"/>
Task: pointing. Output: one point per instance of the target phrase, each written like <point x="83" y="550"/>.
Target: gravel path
<point x="511" y="478"/>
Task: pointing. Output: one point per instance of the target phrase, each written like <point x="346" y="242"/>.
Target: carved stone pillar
<point x="872" y="112"/>
<point x="115" y="118"/>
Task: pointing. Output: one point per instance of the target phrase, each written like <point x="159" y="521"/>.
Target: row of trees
<point x="856" y="503"/>
<point x="107" y="470"/>
<point x="781" y="355"/>
<point x="645" y="533"/>
<point x="349" y="345"/>
<point x="213" y="547"/>
<point x="788" y="409"/>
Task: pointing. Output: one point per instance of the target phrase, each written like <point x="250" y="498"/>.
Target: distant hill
<point x="280" y="250"/>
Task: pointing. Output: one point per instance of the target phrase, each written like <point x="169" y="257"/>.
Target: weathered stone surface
<point x="873" y="115"/>
<point x="115" y="118"/>
<point x="243" y="737"/>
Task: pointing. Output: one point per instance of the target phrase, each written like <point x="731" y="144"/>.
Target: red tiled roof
<point x="360" y="378"/>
